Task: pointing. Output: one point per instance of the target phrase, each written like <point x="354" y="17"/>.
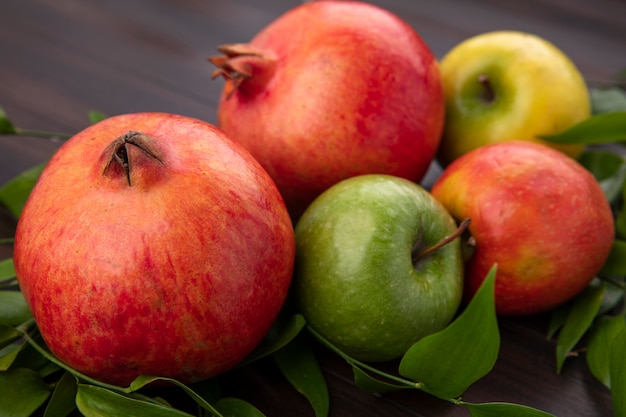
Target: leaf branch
<point x="38" y="134"/>
<point x="354" y="362"/>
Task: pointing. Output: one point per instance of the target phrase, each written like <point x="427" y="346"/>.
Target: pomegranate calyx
<point x="117" y="153"/>
<point x="239" y="63"/>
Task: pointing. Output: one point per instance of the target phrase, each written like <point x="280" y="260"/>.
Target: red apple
<point x="331" y="90"/>
<point x="534" y="211"/>
<point x="153" y="244"/>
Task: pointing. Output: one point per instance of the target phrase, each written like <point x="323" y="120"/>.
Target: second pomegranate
<point x="331" y="90"/>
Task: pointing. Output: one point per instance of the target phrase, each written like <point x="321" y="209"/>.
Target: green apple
<point x="508" y="85"/>
<point x="372" y="273"/>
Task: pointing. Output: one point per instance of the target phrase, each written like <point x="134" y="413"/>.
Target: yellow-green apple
<point x="509" y="85"/>
<point x="535" y="212"/>
<point x="329" y="90"/>
<point x="377" y="266"/>
<point x="153" y="244"/>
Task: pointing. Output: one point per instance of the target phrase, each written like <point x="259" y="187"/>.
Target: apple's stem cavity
<point x="420" y="254"/>
<point x="242" y="62"/>
<point x="488" y="95"/>
<point x="118" y="153"/>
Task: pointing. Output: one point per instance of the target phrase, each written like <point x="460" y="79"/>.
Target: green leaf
<point x="22" y="392"/>
<point x="597" y="129"/>
<point x="618" y="374"/>
<point x="62" y="403"/>
<point x="368" y="383"/>
<point x="7" y="270"/>
<point x="439" y="361"/>
<point x="96" y="116"/>
<point x="29" y="357"/>
<point x="615" y="265"/>
<point x="144" y="380"/>
<point x="557" y="319"/>
<point x="613" y="295"/>
<point x="235" y="407"/>
<point x="601" y="163"/>
<point x="601" y="338"/>
<point x="13" y="194"/>
<point x="7" y="335"/>
<point x="23" y="355"/>
<point x="620" y="224"/>
<point x="10" y="284"/>
<point x="94" y="401"/>
<point x="620" y="217"/>
<point x="298" y="364"/>
<point x="607" y="100"/>
<point x="608" y="168"/>
<point x="281" y="334"/>
<point x="48" y="369"/>
<point x="504" y="410"/>
<point x="613" y="185"/>
<point x="13" y="308"/>
<point x="8" y="354"/>
<point x="579" y="319"/>
<point x="6" y="127"/>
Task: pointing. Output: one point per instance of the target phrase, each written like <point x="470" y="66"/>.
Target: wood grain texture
<point x="60" y="59"/>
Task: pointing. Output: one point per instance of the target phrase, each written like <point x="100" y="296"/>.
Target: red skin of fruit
<point x="180" y="274"/>
<point x="342" y="89"/>
<point x="535" y="212"/>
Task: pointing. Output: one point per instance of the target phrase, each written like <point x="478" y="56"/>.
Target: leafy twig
<point x="354" y="362"/>
<point x="8" y="128"/>
<point x="39" y="134"/>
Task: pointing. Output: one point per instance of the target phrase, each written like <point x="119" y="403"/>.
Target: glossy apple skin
<point x="354" y="279"/>
<point x="538" y="90"/>
<point x="535" y="212"/>
<point x="180" y="274"/>
<point x="354" y="90"/>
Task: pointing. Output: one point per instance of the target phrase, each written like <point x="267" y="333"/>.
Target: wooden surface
<point x="60" y="59"/>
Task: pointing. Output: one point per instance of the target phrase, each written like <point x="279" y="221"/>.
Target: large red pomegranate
<point x="153" y="244"/>
<point x="329" y="90"/>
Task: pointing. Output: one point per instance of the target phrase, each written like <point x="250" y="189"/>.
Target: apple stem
<point x="489" y="96"/>
<point x="431" y="249"/>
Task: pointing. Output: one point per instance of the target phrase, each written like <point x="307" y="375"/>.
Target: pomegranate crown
<point x="238" y="63"/>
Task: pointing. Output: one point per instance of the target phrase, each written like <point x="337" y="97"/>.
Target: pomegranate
<point x="329" y="90"/>
<point x="153" y="244"/>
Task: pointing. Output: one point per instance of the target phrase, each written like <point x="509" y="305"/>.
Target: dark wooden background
<point x="60" y="59"/>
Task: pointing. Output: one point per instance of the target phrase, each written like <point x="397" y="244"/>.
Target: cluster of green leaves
<point x="34" y="382"/>
<point x="594" y="321"/>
